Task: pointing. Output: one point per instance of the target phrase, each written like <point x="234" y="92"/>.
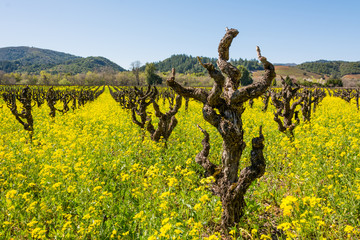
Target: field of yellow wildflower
<point x="89" y="175"/>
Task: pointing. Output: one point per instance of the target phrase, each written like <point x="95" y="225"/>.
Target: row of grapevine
<point x="31" y="97"/>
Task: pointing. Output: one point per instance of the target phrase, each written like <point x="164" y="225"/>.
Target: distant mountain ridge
<point x="35" y="55"/>
<point x="336" y="69"/>
<point x="285" y="64"/>
<point x="79" y="65"/>
<point x="34" y="60"/>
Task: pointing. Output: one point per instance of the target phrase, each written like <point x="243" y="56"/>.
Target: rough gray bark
<point x="53" y="96"/>
<point x="311" y="98"/>
<point x="51" y="100"/>
<point x="65" y="98"/>
<point x="285" y="108"/>
<point x="319" y="95"/>
<point x="222" y="108"/>
<point x="167" y="121"/>
<point x="345" y="94"/>
<point x="265" y="99"/>
<point x="138" y="105"/>
<point x="306" y="105"/>
<point x="138" y="101"/>
<point x="38" y="95"/>
<point x="25" y="116"/>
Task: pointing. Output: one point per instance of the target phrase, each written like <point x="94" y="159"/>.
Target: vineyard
<point x="90" y="172"/>
<point x="228" y="162"/>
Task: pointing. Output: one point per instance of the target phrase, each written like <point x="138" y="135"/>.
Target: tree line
<point x="335" y="69"/>
<point x="189" y="64"/>
<point x="150" y="76"/>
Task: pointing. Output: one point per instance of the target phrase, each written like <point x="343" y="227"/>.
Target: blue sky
<point x="124" y="31"/>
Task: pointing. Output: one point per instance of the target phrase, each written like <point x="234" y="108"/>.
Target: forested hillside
<point x="31" y="55"/>
<point x="189" y="64"/>
<point x="29" y="59"/>
<point x="333" y="68"/>
<point x="83" y="65"/>
<point x="25" y="64"/>
<point x="35" y="60"/>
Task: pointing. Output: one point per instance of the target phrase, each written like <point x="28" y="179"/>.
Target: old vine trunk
<point x="222" y="108"/>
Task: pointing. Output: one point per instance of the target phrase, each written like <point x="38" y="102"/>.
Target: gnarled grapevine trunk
<point x="138" y="105"/>
<point x="222" y="108"/>
<point x="167" y="121"/>
<point x="51" y="99"/>
<point x="285" y="103"/>
<point x="138" y="101"/>
<point x="24" y="117"/>
<point x="311" y="98"/>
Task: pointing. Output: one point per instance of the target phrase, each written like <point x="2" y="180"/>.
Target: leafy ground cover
<point x="89" y="175"/>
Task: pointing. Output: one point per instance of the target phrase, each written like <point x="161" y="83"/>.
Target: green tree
<point x="64" y="81"/>
<point x="45" y="78"/>
<point x="151" y="77"/>
<point x="335" y="75"/>
<point x="245" y="76"/>
<point x="16" y="76"/>
<point x="333" y="82"/>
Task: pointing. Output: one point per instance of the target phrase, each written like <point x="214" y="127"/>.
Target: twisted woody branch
<point x="285" y="103"/>
<point x="139" y="100"/>
<point x="222" y="108"/>
<point x="167" y="121"/>
<point x="24" y="117"/>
